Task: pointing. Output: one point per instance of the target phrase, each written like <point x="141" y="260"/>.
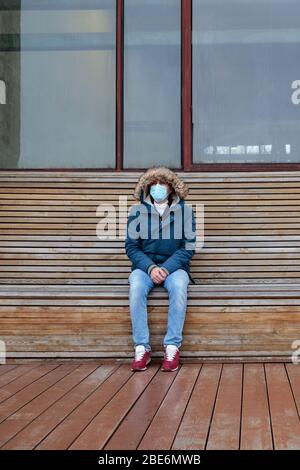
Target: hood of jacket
<point x="166" y="176"/>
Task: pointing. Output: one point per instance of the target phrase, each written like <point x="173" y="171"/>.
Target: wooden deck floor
<point x="106" y="406"/>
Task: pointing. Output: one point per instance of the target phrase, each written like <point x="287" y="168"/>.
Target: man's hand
<point x="158" y="275"/>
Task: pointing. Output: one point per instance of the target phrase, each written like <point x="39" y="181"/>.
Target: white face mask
<point x="159" y="192"/>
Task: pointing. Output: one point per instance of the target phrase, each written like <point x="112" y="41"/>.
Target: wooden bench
<point x="64" y="292"/>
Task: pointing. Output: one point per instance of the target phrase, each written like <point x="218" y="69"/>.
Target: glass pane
<point x="152" y="83"/>
<point x="57" y="76"/>
<point x="246" y="88"/>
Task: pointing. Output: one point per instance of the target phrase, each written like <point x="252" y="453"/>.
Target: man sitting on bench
<point x="160" y="243"/>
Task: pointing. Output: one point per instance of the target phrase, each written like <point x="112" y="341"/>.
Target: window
<point x="246" y="81"/>
<point x="127" y="84"/>
<point x="152" y="83"/>
<point x="57" y="74"/>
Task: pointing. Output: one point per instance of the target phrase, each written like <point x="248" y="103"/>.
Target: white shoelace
<point x="139" y="352"/>
<point x="171" y="352"/>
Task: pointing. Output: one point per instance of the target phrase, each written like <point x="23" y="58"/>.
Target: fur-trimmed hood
<point x="164" y="174"/>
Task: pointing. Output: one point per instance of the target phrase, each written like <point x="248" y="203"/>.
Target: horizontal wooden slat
<point x="126" y="175"/>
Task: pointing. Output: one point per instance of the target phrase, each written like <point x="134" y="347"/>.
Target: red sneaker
<point x="171" y="358"/>
<point x="141" y="358"/>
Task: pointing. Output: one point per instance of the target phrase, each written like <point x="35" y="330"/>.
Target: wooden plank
<point x="38" y="429"/>
<point x="111" y="191"/>
<point x="294" y="376"/>
<point x="83" y="213"/>
<point x="101" y="198"/>
<point x="50" y="260"/>
<point x="252" y="221"/>
<point x="238" y="208"/>
<point x="127" y="176"/>
<point x="24" y="380"/>
<point x="136" y="174"/>
<point x="120" y="315"/>
<point x="34" y="421"/>
<point x="90" y="207"/>
<point x="284" y="416"/>
<point x="222" y="290"/>
<point x="161" y="301"/>
<point x="128" y="435"/>
<point x="14" y="373"/>
<point x="123" y="267"/>
<point x="256" y="431"/>
<point x="193" y="430"/>
<point x="225" y="427"/>
<point x="100" y="429"/>
<point x="127" y="187"/>
<point x="5" y="368"/>
<point x="230" y="329"/>
<point x="19" y="419"/>
<point x="162" y="430"/>
<point x="65" y="434"/>
<point x="17" y="401"/>
<point x="211" y="343"/>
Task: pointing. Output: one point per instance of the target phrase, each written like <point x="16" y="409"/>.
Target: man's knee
<point x="139" y="282"/>
<point x="177" y="281"/>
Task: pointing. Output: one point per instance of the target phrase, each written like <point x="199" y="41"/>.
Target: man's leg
<point x="176" y="284"/>
<point x="140" y="285"/>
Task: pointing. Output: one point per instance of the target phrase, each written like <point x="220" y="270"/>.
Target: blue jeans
<point x="141" y="283"/>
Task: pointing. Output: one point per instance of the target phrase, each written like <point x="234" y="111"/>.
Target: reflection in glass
<point x="58" y="62"/>
<point x="152" y="83"/>
<point x="246" y="86"/>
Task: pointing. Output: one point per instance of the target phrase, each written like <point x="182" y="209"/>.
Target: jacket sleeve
<point x="133" y="248"/>
<point x="187" y="250"/>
